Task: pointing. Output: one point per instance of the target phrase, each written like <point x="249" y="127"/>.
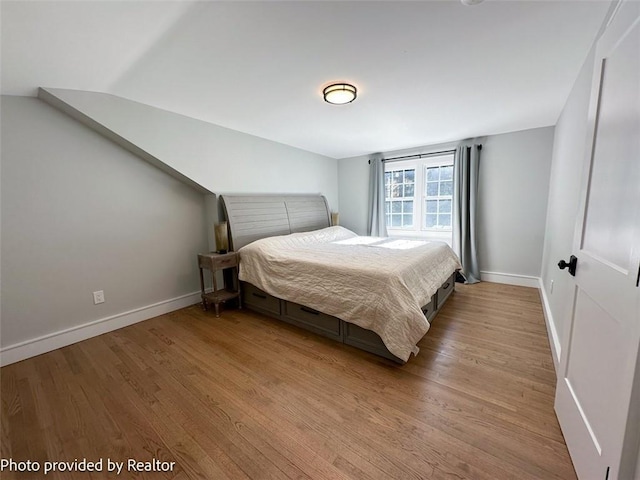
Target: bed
<point x="377" y="294"/>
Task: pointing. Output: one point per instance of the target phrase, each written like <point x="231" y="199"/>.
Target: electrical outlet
<point x="551" y="287"/>
<point x="98" y="297"/>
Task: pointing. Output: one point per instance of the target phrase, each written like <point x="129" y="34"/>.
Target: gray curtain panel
<point x="377" y="222"/>
<point x="466" y="166"/>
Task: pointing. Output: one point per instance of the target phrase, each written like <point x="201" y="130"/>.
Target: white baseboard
<point x="552" y="331"/>
<point x="510" y="279"/>
<point x="52" y="341"/>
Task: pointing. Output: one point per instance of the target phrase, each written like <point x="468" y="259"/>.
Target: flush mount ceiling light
<point x="471" y="2"/>
<point x="339" y="93"/>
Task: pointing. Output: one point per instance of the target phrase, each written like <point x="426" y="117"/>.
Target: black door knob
<point x="573" y="262"/>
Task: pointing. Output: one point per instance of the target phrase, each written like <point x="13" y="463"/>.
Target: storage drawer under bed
<point x="311" y="319"/>
<point x="256" y="299"/>
<point x="366" y="340"/>
<point x="446" y="289"/>
<point x="430" y="309"/>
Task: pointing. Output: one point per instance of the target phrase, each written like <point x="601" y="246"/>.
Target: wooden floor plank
<point x="244" y="396"/>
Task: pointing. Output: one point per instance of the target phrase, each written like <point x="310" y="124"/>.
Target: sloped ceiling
<point x="427" y="72"/>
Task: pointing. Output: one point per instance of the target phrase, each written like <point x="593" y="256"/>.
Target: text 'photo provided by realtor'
<point x="101" y="465"/>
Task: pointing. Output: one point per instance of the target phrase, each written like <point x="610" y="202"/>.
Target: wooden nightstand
<point x="215" y="262"/>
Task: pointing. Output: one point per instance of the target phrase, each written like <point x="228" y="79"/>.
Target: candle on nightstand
<point x="222" y="237"/>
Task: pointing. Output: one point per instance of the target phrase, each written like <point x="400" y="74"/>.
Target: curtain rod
<point x="421" y="155"/>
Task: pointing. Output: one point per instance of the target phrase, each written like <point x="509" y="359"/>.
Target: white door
<point x="600" y="346"/>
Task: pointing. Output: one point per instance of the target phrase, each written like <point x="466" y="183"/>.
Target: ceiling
<point x="427" y="72"/>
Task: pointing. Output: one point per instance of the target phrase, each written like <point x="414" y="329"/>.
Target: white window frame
<point x="394" y="167"/>
<point x="420" y="166"/>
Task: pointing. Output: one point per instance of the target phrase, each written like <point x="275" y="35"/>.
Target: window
<point x="419" y="195"/>
<point x="438" y="196"/>
<point x="399" y="192"/>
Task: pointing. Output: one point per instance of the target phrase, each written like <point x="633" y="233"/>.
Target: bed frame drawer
<point x="256" y="299"/>
<point x="366" y="340"/>
<point x="430" y="308"/>
<point x="312" y="320"/>
<point x="445" y="290"/>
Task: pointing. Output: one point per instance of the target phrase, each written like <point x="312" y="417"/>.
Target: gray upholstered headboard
<point x="252" y="217"/>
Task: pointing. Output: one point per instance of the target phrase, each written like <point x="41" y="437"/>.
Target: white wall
<point x="220" y="159"/>
<point x="512" y="201"/>
<point x="564" y="198"/>
<point x="80" y="214"/>
<point x="514" y="178"/>
<point x="353" y="187"/>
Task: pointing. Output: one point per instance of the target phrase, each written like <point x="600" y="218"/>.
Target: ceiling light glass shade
<point x="340" y="93"/>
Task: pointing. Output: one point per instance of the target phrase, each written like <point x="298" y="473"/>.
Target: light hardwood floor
<point x="243" y="396"/>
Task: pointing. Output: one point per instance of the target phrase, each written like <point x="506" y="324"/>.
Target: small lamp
<point x="335" y="217"/>
<point x="222" y="237"/>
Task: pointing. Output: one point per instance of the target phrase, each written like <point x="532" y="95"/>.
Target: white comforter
<point x="376" y="283"/>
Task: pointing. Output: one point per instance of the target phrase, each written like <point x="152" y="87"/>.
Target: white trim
<point x="552" y="331"/>
<point x="420" y="166"/>
<point x="52" y="341"/>
<point x="510" y="279"/>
